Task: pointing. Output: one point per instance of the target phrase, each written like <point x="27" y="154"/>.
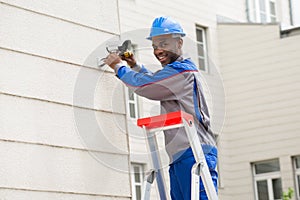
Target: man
<point x="177" y="87"/>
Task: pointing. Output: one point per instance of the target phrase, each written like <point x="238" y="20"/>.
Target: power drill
<point x="123" y="50"/>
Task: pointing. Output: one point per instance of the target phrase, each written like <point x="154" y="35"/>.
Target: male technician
<point x="177" y="87"/>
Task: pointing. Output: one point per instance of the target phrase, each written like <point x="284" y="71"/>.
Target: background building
<point x="261" y="113"/>
<point x="68" y="129"/>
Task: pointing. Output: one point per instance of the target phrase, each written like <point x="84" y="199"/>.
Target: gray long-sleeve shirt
<point x="177" y="87"/>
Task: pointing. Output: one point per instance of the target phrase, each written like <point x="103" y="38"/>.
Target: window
<point x="296" y="162"/>
<point x="132" y="104"/>
<point x="132" y="107"/>
<point x="272" y="11"/>
<point x="294" y="12"/>
<point x="267" y="180"/>
<point x="137" y="180"/>
<point x="261" y="11"/>
<point x="201" y="48"/>
<point x="291" y="12"/>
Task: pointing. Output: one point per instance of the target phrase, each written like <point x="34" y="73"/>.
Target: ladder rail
<point x="156" y="164"/>
<point x="149" y="179"/>
<point x="200" y="161"/>
<point x="199" y="169"/>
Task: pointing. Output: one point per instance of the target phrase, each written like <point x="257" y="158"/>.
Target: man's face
<point x="166" y="48"/>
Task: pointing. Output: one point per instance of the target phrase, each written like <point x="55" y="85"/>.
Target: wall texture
<point x="261" y="78"/>
<point x="55" y="142"/>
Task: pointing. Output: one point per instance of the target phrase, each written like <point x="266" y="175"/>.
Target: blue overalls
<point x="180" y="173"/>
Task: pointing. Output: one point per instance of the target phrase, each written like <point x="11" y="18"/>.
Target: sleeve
<point x="165" y="84"/>
<point x="141" y="69"/>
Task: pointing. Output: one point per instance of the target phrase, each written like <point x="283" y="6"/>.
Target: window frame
<point x="296" y="173"/>
<point x="254" y="11"/>
<point x="294" y="17"/>
<point x="268" y="176"/>
<point x="291" y="10"/>
<point x="135" y="103"/>
<point x="275" y="10"/>
<point x="141" y="167"/>
<point x="205" y="49"/>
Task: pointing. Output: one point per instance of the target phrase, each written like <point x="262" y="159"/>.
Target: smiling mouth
<point x="162" y="58"/>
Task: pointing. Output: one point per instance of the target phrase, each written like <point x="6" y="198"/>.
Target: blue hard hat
<point x="165" y="25"/>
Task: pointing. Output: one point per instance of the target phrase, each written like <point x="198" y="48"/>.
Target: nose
<point x="158" y="50"/>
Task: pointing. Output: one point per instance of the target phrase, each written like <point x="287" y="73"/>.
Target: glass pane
<point x="263" y="17"/>
<point x="297" y="160"/>
<point x="200" y="50"/>
<point x="254" y="16"/>
<point x="268" y="166"/>
<point x="138" y="192"/>
<point x="262" y="190"/>
<point x="273" y="19"/>
<point x="277" y="190"/>
<point x="272" y="8"/>
<point x="132" y="110"/>
<point x="131" y="94"/>
<point x="199" y="34"/>
<point x="136" y="174"/>
<point x="262" y="5"/>
<point x="201" y="63"/>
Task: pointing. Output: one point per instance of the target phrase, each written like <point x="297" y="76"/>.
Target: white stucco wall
<point x="49" y="148"/>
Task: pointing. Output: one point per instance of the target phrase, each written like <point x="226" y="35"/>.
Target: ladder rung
<point x="164" y="120"/>
<point x="153" y="130"/>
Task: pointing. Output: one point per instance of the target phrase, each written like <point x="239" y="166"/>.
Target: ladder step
<point x="164" y="120"/>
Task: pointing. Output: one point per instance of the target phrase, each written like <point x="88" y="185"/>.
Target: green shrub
<point x="288" y="195"/>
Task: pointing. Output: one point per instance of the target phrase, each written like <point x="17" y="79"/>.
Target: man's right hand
<point x="130" y="60"/>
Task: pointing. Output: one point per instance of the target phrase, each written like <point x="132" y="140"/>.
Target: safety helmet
<point x="165" y="25"/>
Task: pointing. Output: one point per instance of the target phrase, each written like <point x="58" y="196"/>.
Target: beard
<point x="166" y="57"/>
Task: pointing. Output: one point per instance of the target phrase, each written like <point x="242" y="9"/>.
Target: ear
<point x="180" y="43"/>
